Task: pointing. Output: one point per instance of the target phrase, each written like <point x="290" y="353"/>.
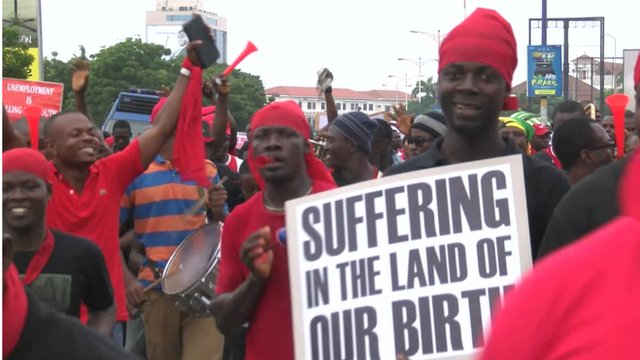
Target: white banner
<point x="414" y="263"/>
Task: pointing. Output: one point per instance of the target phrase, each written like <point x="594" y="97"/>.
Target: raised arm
<point x="332" y="111"/>
<point x="79" y="83"/>
<point x="164" y="126"/>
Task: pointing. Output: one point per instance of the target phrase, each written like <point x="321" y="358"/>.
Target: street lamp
<point x="613" y="65"/>
<point x="406" y="85"/>
<point x="419" y="64"/>
<point x="435" y="37"/>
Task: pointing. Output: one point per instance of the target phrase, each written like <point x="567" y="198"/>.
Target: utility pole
<point x="543" y="100"/>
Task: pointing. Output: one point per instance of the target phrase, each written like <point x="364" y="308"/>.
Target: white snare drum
<point x="189" y="278"/>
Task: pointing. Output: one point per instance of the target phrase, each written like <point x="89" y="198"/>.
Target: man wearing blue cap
<point x="348" y="148"/>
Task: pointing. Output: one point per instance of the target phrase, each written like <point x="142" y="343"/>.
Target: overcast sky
<point x="359" y="41"/>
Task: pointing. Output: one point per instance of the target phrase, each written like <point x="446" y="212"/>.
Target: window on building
<point x="322" y="105"/>
<point x="311" y="105"/>
<point x="300" y="104"/>
<point x="211" y="21"/>
<point x="178" y="18"/>
<point x="370" y="107"/>
<point x="338" y="106"/>
<point x="353" y="107"/>
<point x="183" y="8"/>
<point x="387" y="108"/>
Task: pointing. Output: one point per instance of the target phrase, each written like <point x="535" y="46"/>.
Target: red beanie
<point x="636" y="73"/>
<point x="288" y="114"/>
<point x="484" y="37"/>
<point x="26" y="160"/>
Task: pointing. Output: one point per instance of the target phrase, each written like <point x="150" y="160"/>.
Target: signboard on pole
<point x="18" y="94"/>
<point x="24" y="17"/>
<point x="413" y="263"/>
<point x="544" y="70"/>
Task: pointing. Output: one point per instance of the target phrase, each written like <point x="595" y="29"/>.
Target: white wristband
<point x="185" y="72"/>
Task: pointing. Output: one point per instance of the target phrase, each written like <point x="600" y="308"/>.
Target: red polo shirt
<point x="95" y="212"/>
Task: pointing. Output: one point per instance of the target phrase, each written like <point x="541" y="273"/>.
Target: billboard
<point x="630" y="56"/>
<point x="24" y="16"/>
<point x="544" y="75"/>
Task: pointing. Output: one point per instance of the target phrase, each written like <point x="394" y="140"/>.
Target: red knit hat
<point x="289" y="114"/>
<point x="486" y="38"/>
<point x="636" y="73"/>
<point x="26" y="160"/>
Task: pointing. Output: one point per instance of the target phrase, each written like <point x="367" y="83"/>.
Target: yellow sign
<point x="545" y="91"/>
<point x="34" y="69"/>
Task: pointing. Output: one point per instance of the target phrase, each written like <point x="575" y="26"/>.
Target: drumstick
<point x="194" y="209"/>
<point x="157" y="281"/>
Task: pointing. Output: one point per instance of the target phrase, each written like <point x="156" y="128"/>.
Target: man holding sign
<point x="477" y="61"/>
<point x="254" y="286"/>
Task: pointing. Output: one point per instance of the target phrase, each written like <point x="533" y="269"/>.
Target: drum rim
<point x="175" y="253"/>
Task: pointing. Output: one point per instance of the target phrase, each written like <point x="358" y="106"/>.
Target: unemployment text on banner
<point x="413" y="263"/>
<point x="19" y="94"/>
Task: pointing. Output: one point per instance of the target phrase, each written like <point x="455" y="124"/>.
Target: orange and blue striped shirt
<point x="156" y="202"/>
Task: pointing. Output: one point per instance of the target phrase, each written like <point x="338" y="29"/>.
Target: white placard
<point x="413" y="263"/>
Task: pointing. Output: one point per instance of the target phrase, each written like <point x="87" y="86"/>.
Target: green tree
<point x="135" y="64"/>
<point x="429" y="91"/>
<point x="16" y="58"/>
<point x="247" y="93"/>
<point x="56" y="70"/>
<point x="128" y="64"/>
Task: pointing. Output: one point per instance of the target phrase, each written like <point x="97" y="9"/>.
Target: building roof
<point x="338" y="93"/>
<point x="584" y="90"/>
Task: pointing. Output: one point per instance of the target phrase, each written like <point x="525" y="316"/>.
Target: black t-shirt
<point x="232" y="185"/>
<point x="48" y="334"/>
<point x="544" y="156"/>
<point x="75" y="273"/>
<point x="545" y="185"/>
<point x="591" y="203"/>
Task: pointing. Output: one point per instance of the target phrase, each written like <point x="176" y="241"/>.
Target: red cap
<point x="484" y="37"/>
<point x="289" y="114"/>
<point x="26" y="160"/>
<point x="540" y="129"/>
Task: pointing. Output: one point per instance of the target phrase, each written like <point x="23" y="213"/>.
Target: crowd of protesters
<point x="90" y="222"/>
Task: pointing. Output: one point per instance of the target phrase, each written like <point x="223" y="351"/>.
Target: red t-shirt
<point x="270" y="326"/>
<point x="95" y="212"/>
<point x="579" y="303"/>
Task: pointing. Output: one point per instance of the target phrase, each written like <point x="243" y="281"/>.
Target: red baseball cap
<point x="540" y="129"/>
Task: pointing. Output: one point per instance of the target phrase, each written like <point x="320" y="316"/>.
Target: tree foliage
<point x="16" y="58"/>
<point x="429" y="99"/>
<point x="135" y="64"/>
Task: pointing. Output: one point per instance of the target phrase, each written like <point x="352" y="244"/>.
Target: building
<point x="372" y="102"/>
<point x="164" y="25"/>
<point x="587" y="69"/>
<point x="579" y="90"/>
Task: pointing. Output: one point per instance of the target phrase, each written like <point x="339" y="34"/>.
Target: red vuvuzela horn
<point x="247" y="50"/>
<point x="32" y="114"/>
<point x="617" y="103"/>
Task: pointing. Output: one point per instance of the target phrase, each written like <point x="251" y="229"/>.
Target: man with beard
<point x="253" y="283"/>
<point x="474" y="85"/>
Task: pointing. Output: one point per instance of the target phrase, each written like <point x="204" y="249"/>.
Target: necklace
<point x="281" y="209"/>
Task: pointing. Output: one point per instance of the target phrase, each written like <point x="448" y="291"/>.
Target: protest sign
<point x="17" y="95"/>
<point x="415" y="263"/>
